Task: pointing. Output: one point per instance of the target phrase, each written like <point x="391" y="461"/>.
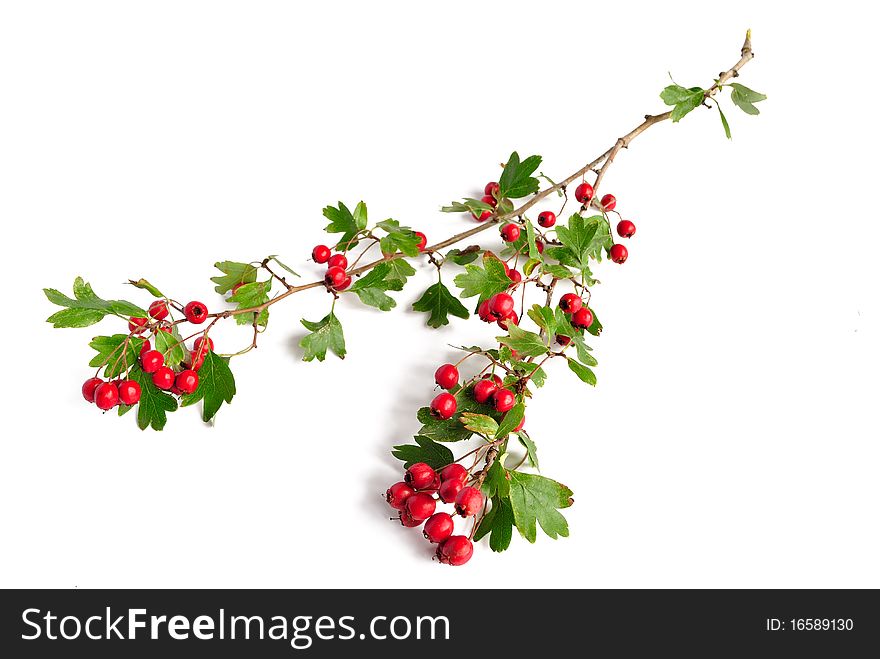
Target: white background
<point x="732" y="440"/>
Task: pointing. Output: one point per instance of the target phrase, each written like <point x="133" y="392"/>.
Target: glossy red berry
<point x="485" y="313"/>
<point x="503" y="400"/>
<point x="483" y="390"/>
<point x="158" y="310"/>
<point x="345" y="284"/>
<point x="583" y="318"/>
<point x="483" y="216"/>
<point x="510" y="232"/>
<point x="546" y="219"/>
<point x="136" y="324"/>
<point x="491" y="189"/>
<point x="449" y="490"/>
<point x="129" y="392"/>
<point x="419" y="476"/>
<point x="320" y="253"/>
<point x="337" y="261"/>
<point x="454" y="472"/>
<point x="626" y="229"/>
<point x="187" y="381"/>
<point x="609" y="201"/>
<point x="514" y="275"/>
<point x="421" y="505"/>
<point x="540" y="246"/>
<point x="439" y="527"/>
<point x="397" y="494"/>
<point x="618" y="253"/>
<point x="584" y="193"/>
<point x="146" y="346"/>
<point x="443" y="406"/>
<point x="408" y="520"/>
<point x="106" y="396"/>
<point x="509" y="319"/>
<point x="151" y="361"/>
<point x="469" y="501"/>
<point x="563" y="340"/>
<point x="88" y="388"/>
<point x="195" y="312"/>
<point x="423" y="241"/>
<point x="163" y="378"/>
<point x="164" y="328"/>
<point x="501" y="304"/>
<point x="570" y="303"/>
<point x="446" y="376"/>
<point x="494" y="378"/>
<point x="489" y="199"/>
<point x="335" y="277"/>
<point x="197" y="359"/>
<point x="455" y="550"/>
<point x="200" y="341"/>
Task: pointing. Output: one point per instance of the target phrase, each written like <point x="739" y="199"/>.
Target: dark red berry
<point x="408" y="520"/>
<point x="584" y="193"/>
<point x="455" y="550"/>
<point x="151" y="361"/>
<point x="158" y="310"/>
<point x="136" y="324"/>
<point x="491" y="188"/>
<point x="618" y="253"/>
<point x="454" y="472"/>
<point x="503" y="400"/>
<point x="449" y="490"/>
<point x="129" y="392"/>
<point x="197" y="359"/>
<point x="419" y="476"/>
<point x="106" y="396"/>
<point x="489" y="199"/>
<point x="200" y="341"/>
<point x="609" y="201"/>
<point x="485" y="313"/>
<point x="626" y="229"/>
<point x="501" y="304"/>
<point x="187" y="381"/>
<point x="514" y="275"/>
<point x="88" y="388"/>
<point x="446" y="376"/>
<point x="320" y="253"/>
<point x="570" y="303"/>
<point x="583" y="318"/>
<point x="195" y="312"/>
<point x="423" y="241"/>
<point x="443" y="406"/>
<point x="540" y="246"/>
<point x="547" y="219"/>
<point x="439" y="527"/>
<point x="505" y="322"/>
<point x="145" y="346"/>
<point x="164" y="328"/>
<point x="483" y="216"/>
<point x="337" y="261"/>
<point x="335" y="277"/>
<point x="494" y="378"/>
<point x="163" y="378"/>
<point x="469" y="501"/>
<point x="483" y="390"/>
<point x="397" y="494"/>
<point x="563" y="340"/>
<point x="510" y="232"/>
<point x="345" y="284"/>
<point x="421" y="505"/>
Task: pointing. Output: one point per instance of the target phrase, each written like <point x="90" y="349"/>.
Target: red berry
<point x="439" y="527"/>
<point x="443" y="406"/>
<point x="421" y="505"/>
<point x="419" y="476"/>
<point x="570" y="303"/>
<point x="449" y="490"/>
<point x="510" y="232"/>
<point x="546" y="219"/>
<point x="483" y="390"/>
<point x="88" y="388"/>
<point x="609" y="201"/>
<point x="129" y="392"/>
<point x="337" y="261"/>
<point x="454" y="472"/>
<point x="151" y="361"/>
<point x="345" y="284"/>
<point x="540" y="246"/>
<point x="505" y="322"/>
<point x="618" y="253"/>
<point x="158" y="310"/>
<point x="136" y="324"/>
<point x="455" y="550"/>
<point x="483" y="216"/>
<point x="501" y="304"/>
<point x="397" y="494"/>
<point x="489" y="199"/>
<point x="408" y="520"/>
<point x="520" y="425"/>
<point x="494" y="378"/>
<point x="320" y="253"/>
<point x="563" y="340"/>
<point x="200" y="341"/>
<point x="106" y="395"/>
<point x="195" y="312"/>
<point x="197" y="359"/>
<point x="469" y="501"/>
<point x="335" y="277"/>
<point x="485" y="313"/>
<point x="163" y="378"/>
<point x="503" y="400"/>
<point x="514" y="275"/>
<point x="187" y="381"/>
<point x="584" y="193"/>
<point x="446" y="376"/>
<point x="145" y="346"/>
<point x="583" y="318"/>
<point x="626" y="229"/>
<point x="164" y="328"/>
<point x="423" y="241"/>
<point x="491" y="188"/>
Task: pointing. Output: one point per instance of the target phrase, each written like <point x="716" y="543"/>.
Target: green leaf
<point x="427" y="450"/>
<point x="325" y="335"/>
<point x="347" y="223"/>
<point x="111" y="354"/>
<point x="511" y="420"/>
<point x="372" y="286"/>
<point x="531" y="240"/>
<point x="745" y="98"/>
<point x="537" y="499"/>
<point x="147" y="286"/>
<point x="684" y="100"/>
<point x="529" y="266"/>
<point x="86" y="308"/>
<point x="499" y="523"/>
<point x="75" y="318"/>
<point x="543" y="317"/>
<point x="516" y="180"/>
<point x="479" y="423"/>
<point x="584" y="373"/>
<point x="539" y="376"/>
<point x="527" y="344"/>
<point x="497" y="481"/>
<point x="556" y="270"/>
<point x="465" y="256"/>
<point x="486" y="281"/>
<point x="216" y="386"/>
<point x="170" y="344"/>
<point x="286" y="267"/>
<point x="154" y="403"/>
<point x="531" y="449"/>
<point x="399" y="239"/>
<point x="399" y="270"/>
<point x="439" y="302"/>
<point x="250" y="295"/>
<point x="585" y="239"/>
<point x="596" y="328"/>
<point x="234" y="273"/>
<point x="723" y="121"/>
<point x="468" y="205"/>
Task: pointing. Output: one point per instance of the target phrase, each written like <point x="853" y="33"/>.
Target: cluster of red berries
<point x="488" y="390"/>
<point x="490" y="196"/>
<point x="336" y="277"/>
<point x="416" y="498"/>
<point x="580" y="315"/>
<point x="499" y="309"/>
<point x="108" y="394"/>
<point x="625" y="228"/>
